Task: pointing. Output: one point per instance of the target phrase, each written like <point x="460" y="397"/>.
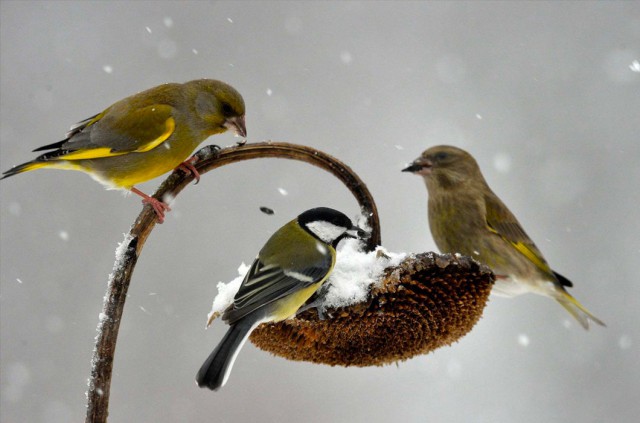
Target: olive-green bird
<point x="293" y="264"/>
<point x="145" y="135"/>
<point x="466" y="217"/>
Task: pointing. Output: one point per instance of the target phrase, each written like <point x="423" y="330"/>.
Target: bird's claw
<point x="188" y="167"/>
<point x="158" y="206"/>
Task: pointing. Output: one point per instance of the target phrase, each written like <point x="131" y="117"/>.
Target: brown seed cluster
<point x="426" y="302"/>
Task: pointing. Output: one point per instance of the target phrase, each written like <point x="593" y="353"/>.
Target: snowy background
<point x="545" y="95"/>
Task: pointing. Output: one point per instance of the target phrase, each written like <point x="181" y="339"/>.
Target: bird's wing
<point x="113" y="134"/>
<point x="265" y="284"/>
<point x="503" y="223"/>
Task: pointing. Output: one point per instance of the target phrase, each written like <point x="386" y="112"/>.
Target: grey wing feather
<point x="265" y="284"/>
<point x="98" y="136"/>
<point x="81" y="136"/>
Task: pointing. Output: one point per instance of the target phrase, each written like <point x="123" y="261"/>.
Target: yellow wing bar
<point x="102" y="152"/>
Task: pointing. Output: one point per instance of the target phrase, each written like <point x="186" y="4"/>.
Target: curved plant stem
<point x="209" y="158"/>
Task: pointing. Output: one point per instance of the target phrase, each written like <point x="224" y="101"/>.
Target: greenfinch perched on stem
<point x="466" y="217"/>
<point x="145" y="135"/>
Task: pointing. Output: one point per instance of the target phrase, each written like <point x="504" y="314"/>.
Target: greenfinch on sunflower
<point x="466" y="217"/>
<point x="145" y="135"/>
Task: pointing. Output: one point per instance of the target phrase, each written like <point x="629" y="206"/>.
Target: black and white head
<point x="328" y="225"/>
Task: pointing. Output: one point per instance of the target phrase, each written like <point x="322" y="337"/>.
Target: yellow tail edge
<point x="578" y="311"/>
<point x="29" y="166"/>
<point x="25" y="167"/>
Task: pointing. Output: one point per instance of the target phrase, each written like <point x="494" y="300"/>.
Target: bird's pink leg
<point x="188" y="167"/>
<point x="158" y="206"/>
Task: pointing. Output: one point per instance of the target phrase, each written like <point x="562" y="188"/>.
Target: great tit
<point x="145" y="135"/>
<point x="291" y="266"/>
<point x="466" y="217"/>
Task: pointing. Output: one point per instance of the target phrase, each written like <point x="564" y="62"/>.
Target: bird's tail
<point x="577" y="310"/>
<point x="24" y="167"/>
<point x="216" y="369"/>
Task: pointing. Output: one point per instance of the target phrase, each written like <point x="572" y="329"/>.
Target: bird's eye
<point x="441" y="156"/>
<point x="227" y="109"/>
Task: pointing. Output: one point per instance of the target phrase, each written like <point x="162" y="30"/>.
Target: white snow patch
<point x="355" y="272"/>
<point x="229" y="20"/>
<point x="283" y="191"/>
<point x="350" y="282"/>
<point x="194" y="51"/>
<point x="148" y="29"/>
<point x="363" y="223"/>
<point x="168" y="22"/>
<point x="478" y="116"/>
<point x="120" y="251"/>
<point x="226" y="292"/>
<point x="64" y="235"/>
<point x="635" y="66"/>
<point x="19" y="280"/>
<point x="399" y="147"/>
<point x="269" y="92"/>
<point x="107" y="68"/>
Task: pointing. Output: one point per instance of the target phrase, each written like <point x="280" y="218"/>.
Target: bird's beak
<point x="420" y="166"/>
<point x="357" y="233"/>
<point x="237" y="125"/>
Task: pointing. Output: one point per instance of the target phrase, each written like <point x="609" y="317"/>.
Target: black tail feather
<point x="217" y="366"/>
<point x="563" y="281"/>
<point x="53" y="146"/>
<point x="17" y="169"/>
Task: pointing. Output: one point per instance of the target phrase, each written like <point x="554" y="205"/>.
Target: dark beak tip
<point x="413" y="168"/>
<point x="358" y="233"/>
